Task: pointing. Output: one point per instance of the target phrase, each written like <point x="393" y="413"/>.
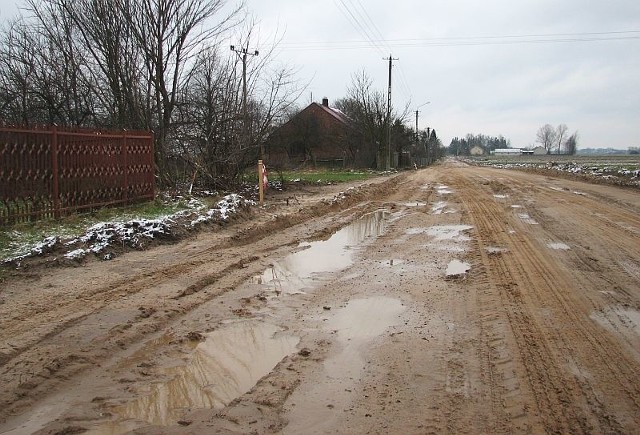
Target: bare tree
<point x="149" y="64"/>
<point x="210" y="113"/>
<point x="546" y="137"/>
<point x="17" y="68"/>
<point x="367" y="107"/>
<point x="561" y="132"/>
<point x="169" y="33"/>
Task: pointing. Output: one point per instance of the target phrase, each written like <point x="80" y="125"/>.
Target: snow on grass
<point x="134" y="233"/>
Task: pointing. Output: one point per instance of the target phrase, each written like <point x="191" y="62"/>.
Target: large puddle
<point x="356" y="325"/>
<point x="226" y="365"/>
<point x="294" y="273"/>
<point x="364" y="319"/>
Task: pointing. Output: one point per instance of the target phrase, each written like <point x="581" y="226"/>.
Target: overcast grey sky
<point x="493" y="67"/>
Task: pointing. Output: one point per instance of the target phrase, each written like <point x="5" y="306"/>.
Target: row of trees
<point x="145" y="64"/>
<point x="160" y="65"/>
<point x="556" y="140"/>
<point x="462" y="147"/>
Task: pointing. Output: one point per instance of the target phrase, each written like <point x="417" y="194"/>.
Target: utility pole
<point x="418" y="134"/>
<point x="388" y="162"/>
<point x="242" y="54"/>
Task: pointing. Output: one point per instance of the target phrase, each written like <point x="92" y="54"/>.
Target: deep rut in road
<point x="474" y="300"/>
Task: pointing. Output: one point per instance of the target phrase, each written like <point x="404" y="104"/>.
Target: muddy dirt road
<point x="453" y="299"/>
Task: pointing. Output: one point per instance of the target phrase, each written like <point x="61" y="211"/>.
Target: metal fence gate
<point x="47" y="172"/>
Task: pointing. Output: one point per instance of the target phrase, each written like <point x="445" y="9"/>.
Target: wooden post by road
<point x="261" y="181"/>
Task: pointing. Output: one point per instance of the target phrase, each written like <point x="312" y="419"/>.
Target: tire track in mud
<point x="529" y="283"/>
<point x="36" y="363"/>
<point x="511" y="405"/>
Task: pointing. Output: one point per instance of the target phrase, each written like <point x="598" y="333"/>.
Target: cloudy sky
<point x="493" y="67"/>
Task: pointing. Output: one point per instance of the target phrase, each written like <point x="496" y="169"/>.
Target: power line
<point x="375" y="30"/>
<point x="356" y="24"/>
<point x="554" y="38"/>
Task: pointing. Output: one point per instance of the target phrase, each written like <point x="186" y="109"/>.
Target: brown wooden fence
<point x="47" y="172"/>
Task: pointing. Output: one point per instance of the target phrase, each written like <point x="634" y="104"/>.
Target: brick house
<point x="317" y="136"/>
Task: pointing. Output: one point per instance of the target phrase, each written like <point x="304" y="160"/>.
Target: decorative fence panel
<point x="46" y="172"/>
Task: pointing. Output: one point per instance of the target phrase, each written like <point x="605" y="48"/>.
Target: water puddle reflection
<point x="364" y="319"/>
<point x="443" y="190"/>
<point x="356" y="325"/>
<point x="457" y="268"/>
<point x="438" y="207"/>
<point x="296" y="272"/>
<point x="223" y="367"/>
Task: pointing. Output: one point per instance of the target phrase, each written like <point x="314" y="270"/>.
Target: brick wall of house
<point x="314" y="137"/>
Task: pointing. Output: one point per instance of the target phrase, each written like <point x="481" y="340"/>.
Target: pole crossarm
<point x="243" y="53"/>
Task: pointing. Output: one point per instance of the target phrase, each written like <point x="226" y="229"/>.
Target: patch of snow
<point x="76" y="254"/>
<point x="135" y="232"/>
<point x="44" y="246"/>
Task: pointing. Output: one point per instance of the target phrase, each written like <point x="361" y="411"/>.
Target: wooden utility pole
<point x="388" y="162"/>
<point x="242" y="54"/>
<point x="418" y="134"/>
<point x="261" y="181"/>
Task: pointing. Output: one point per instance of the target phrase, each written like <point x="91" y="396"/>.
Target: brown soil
<point x="541" y="334"/>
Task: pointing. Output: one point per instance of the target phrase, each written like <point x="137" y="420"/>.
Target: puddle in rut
<point x="364" y="319"/>
<point x="559" y="246"/>
<point x="527" y="219"/>
<point x="443" y="190"/>
<point x="413" y="204"/>
<point x="438" y="207"/>
<point x="356" y="325"/>
<point x="223" y="367"/>
<point x="457" y="268"/>
<point x="295" y="272"/>
<point x="443" y="232"/>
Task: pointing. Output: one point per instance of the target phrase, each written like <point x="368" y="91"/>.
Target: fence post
<point x="55" y="187"/>
<point x="261" y="181"/>
<point x="126" y="167"/>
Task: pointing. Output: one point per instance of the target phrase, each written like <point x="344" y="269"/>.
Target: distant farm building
<point x="507" y="152"/>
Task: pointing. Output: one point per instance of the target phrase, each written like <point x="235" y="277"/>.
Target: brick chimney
<point x="325" y="102"/>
